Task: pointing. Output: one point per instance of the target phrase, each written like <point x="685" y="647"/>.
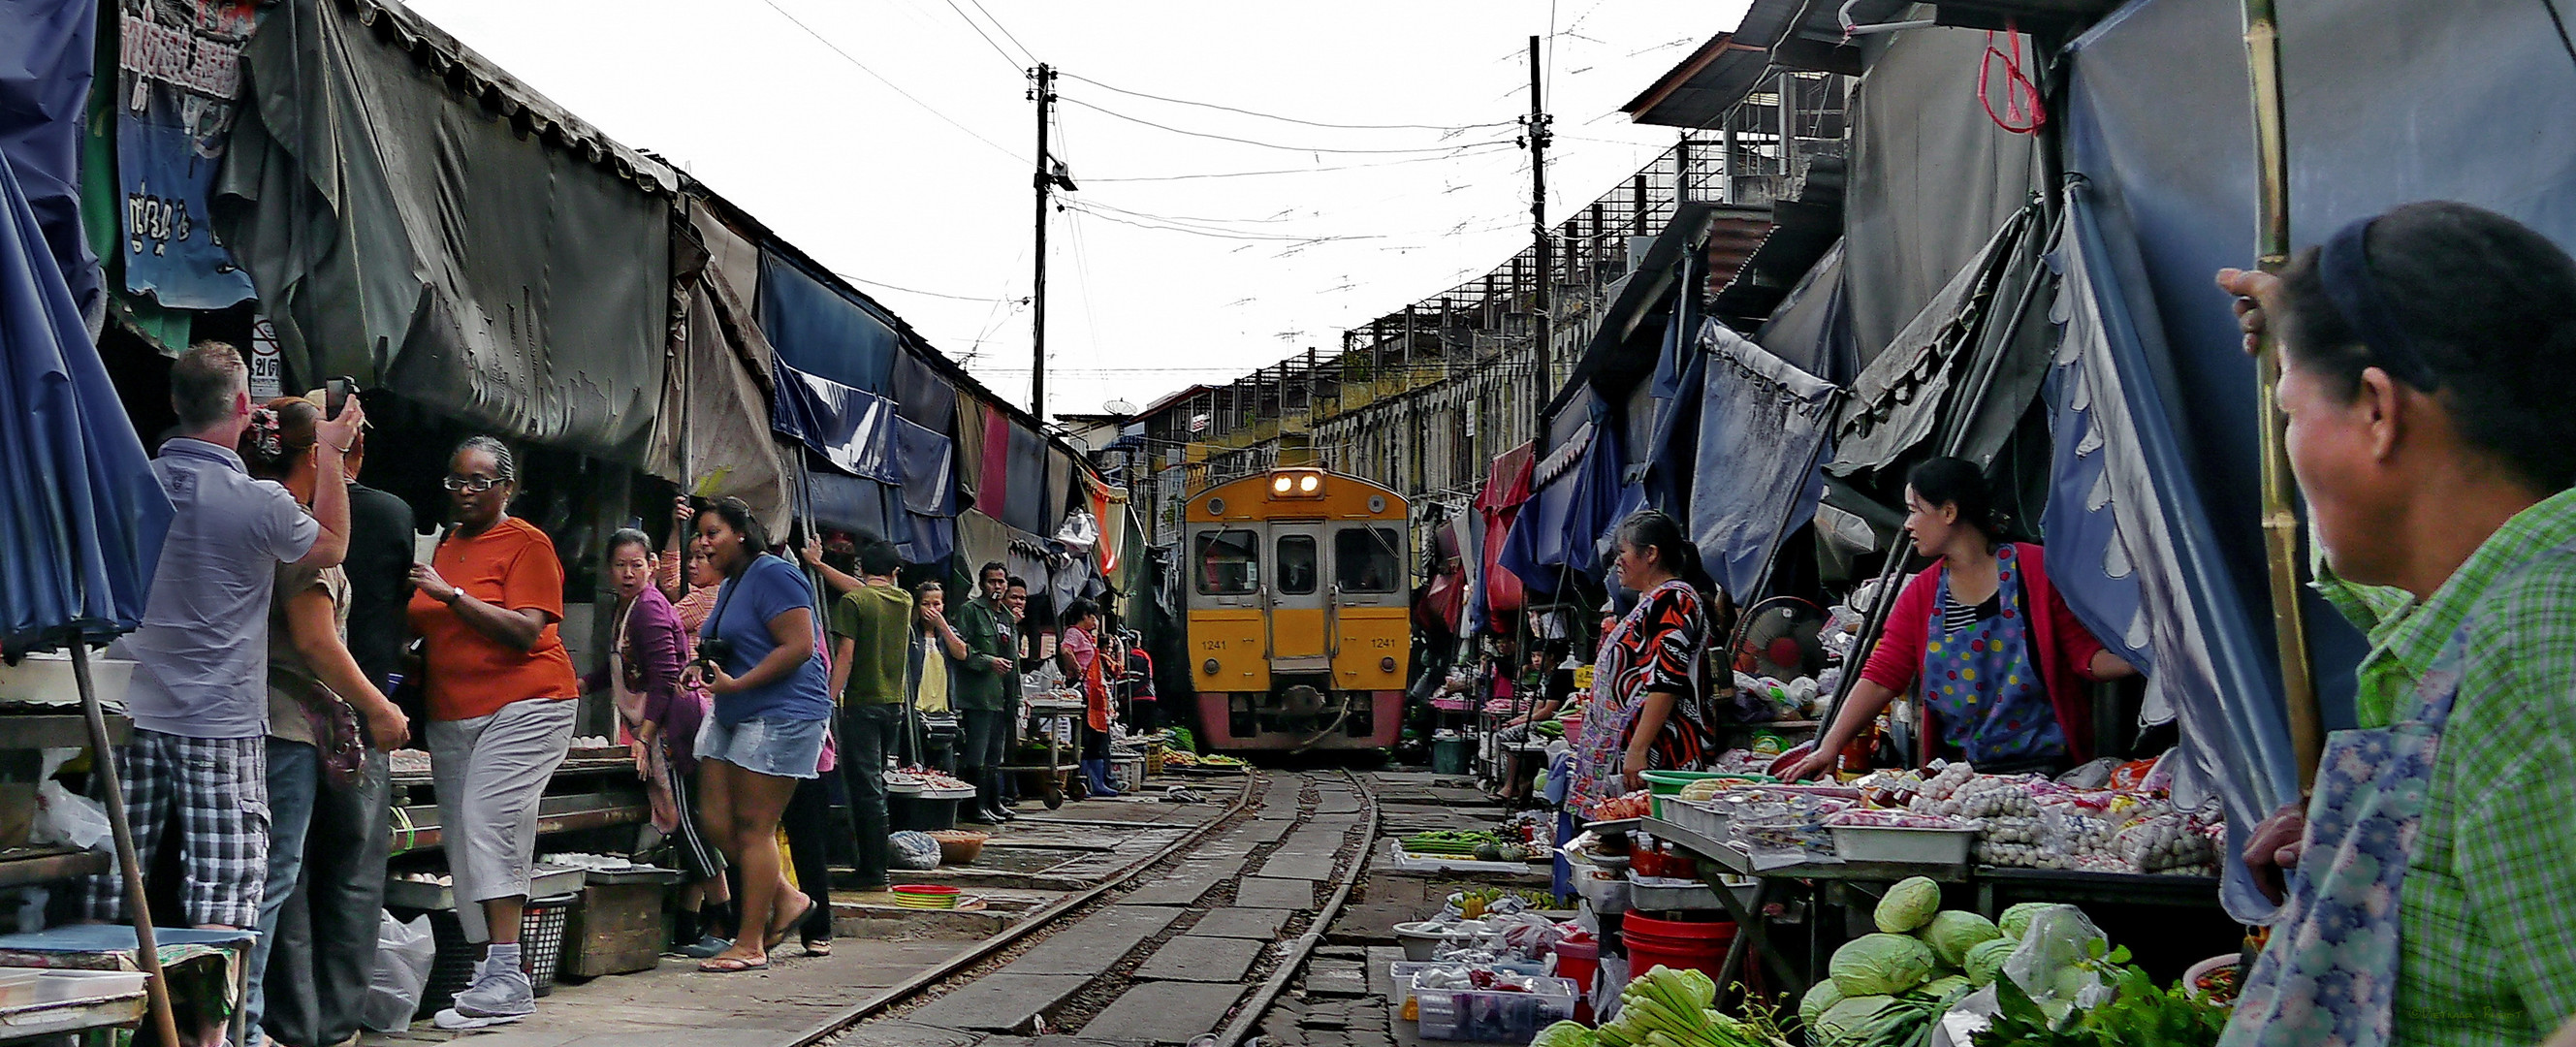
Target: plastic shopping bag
<point x="403" y="955"/>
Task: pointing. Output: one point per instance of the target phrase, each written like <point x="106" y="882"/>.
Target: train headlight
<point x="1280" y="485"/>
<point x="1386" y="664"/>
<point x="1309" y="483"/>
<point x="1211" y="667"/>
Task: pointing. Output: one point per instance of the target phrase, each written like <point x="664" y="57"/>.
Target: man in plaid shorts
<point x="199" y="699"/>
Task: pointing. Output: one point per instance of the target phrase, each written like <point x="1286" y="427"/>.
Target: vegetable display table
<point x="1995" y="888"/>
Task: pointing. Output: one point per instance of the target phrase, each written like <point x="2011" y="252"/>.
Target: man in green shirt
<point x="979" y="692"/>
<point x="2428" y="356"/>
<point x="871" y="644"/>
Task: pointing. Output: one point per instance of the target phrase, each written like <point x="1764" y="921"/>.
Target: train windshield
<point x="1367" y="560"/>
<point x="1296" y="570"/>
<point x="1229" y="562"/>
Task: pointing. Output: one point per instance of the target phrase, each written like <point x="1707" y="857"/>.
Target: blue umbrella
<point x="81" y="515"/>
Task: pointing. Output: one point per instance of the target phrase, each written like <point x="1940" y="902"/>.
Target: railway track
<point x="1197" y="939"/>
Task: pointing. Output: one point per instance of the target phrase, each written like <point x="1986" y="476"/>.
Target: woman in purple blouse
<point x="643" y="673"/>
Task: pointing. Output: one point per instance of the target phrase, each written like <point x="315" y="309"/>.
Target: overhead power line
<point x="896" y="88"/>
<point x="988" y="37"/>
<point x="1031" y="56"/>
<point x="1289" y="119"/>
<point x="916" y="290"/>
<point x="1458" y="152"/>
<point x="1254" y="141"/>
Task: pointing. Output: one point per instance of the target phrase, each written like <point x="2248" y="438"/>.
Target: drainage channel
<point x="1197" y="941"/>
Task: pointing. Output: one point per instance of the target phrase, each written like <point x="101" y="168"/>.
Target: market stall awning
<point x="81" y="516"/>
<point x="823" y="332"/>
<point x="1763" y="428"/>
<point x="45" y="72"/>
<point x="2134" y="550"/>
<point x="414" y="218"/>
<point x="1572" y="508"/>
<point x="1902" y="397"/>
<point x="712" y="436"/>
<point x="851" y="428"/>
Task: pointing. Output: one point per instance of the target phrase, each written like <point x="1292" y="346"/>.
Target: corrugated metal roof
<point x="1697" y="92"/>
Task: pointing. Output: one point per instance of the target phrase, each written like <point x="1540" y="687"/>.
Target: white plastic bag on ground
<point x="403" y="955"/>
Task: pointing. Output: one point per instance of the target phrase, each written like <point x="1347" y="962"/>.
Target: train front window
<point x="1368" y="560"/>
<point x="1296" y="572"/>
<point x="1229" y="563"/>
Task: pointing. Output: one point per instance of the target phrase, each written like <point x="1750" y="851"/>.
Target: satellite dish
<point x="1118" y="407"/>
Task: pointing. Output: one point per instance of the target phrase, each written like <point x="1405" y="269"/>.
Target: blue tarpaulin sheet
<point x="922" y="459"/>
<point x="823" y="332"/>
<point x="45" y="72"/>
<point x="81" y="517"/>
<point x="858" y="505"/>
<point x="851" y="428"/>
<point x="2389" y="102"/>
<point x="1575" y="504"/>
<point x="2134" y="551"/>
<point x="1763" y="426"/>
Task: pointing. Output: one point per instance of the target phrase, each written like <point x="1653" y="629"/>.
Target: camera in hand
<point x="714" y="652"/>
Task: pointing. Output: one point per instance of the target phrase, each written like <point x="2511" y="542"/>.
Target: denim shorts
<point x="761" y="745"/>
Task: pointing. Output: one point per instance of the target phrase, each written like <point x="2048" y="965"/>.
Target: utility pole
<point x="1538" y="137"/>
<point x="1049" y="177"/>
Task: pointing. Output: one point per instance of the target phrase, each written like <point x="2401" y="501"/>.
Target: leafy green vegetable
<point x="1942" y="986"/>
<point x="1908" y="905"/>
<point x="2138" y="1013"/>
<point x="1985" y="960"/>
<point x="1821" y="997"/>
<point x="1881" y="965"/>
<point x="1952" y="933"/>
<point x="2017" y="919"/>
<point x="1564" y="1034"/>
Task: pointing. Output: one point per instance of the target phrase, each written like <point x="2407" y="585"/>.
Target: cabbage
<point x="1939" y="988"/>
<point x="1841" y="1023"/>
<point x="2017" y="919"/>
<point x="1564" y="1034"/>
<point x="1986" y="960"/>
<point x="1881" y="965"/>
<point x="1908" y="905"/>
<point x="1820" y="998"/>
<point x="1952" y="933"/>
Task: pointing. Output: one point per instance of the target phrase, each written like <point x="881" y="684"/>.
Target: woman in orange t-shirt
<point x="500" y="687"/>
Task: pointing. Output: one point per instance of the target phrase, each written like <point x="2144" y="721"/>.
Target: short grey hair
<point x="205" y="382"/>
<point x="502" y="460"/>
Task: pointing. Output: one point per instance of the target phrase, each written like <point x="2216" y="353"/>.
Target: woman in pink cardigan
<point x="2001" y="661"/>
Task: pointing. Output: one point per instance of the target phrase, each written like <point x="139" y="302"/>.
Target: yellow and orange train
<point x="1298" y="588"/>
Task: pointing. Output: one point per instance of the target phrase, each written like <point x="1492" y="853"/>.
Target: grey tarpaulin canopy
<point x="1931" y="177"/>
<point x="1928" y="378"/>
<point x="712" y="434"/>
<point x="415" y="218"/>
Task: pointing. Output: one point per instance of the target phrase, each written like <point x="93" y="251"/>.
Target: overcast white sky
<point x="925" y="196"/>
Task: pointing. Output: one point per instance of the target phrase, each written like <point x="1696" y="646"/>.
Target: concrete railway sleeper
<point x="1193" y="943"/>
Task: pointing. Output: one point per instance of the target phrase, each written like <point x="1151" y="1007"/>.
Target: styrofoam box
<point x="1856" y="843"/>
<point x="1487" y="1016"/>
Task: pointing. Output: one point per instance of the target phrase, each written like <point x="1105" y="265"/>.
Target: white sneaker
<point x="499" y="994"/>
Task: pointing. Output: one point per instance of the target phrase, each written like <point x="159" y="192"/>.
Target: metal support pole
<point x="1044" y="180"/>
<point x="1545" y="333"/>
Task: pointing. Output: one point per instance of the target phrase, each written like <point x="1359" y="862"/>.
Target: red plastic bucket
<point x="1683" y="945"/>
<point x="1578" y="958"/>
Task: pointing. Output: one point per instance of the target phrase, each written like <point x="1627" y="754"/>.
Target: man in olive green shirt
<point x="871" y="645"/>
<point x="2427" y="357"/>
<point x="979" y="692"/>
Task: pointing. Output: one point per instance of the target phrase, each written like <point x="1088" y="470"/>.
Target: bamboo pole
<point x="2280" y="516"/>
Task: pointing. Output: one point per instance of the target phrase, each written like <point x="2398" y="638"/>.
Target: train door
<point x="1298" y="593"/>
<point x="1369" y="618"/>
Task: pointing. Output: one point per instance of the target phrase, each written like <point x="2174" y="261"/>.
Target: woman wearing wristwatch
<point x="501" y="690"/>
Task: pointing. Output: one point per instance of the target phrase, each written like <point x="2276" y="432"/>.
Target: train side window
<point x="1296" y="571"/>
<point x="1368" y="560"/>
<point x="1229" y="563"/>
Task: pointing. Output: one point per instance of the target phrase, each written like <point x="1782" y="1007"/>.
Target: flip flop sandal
<point x="777" y="935"/>
<point x="821" y="948"/>
<point x="731" y="965"/>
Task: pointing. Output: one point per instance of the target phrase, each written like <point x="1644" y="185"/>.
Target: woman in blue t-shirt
<point x="758" y="657"/>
